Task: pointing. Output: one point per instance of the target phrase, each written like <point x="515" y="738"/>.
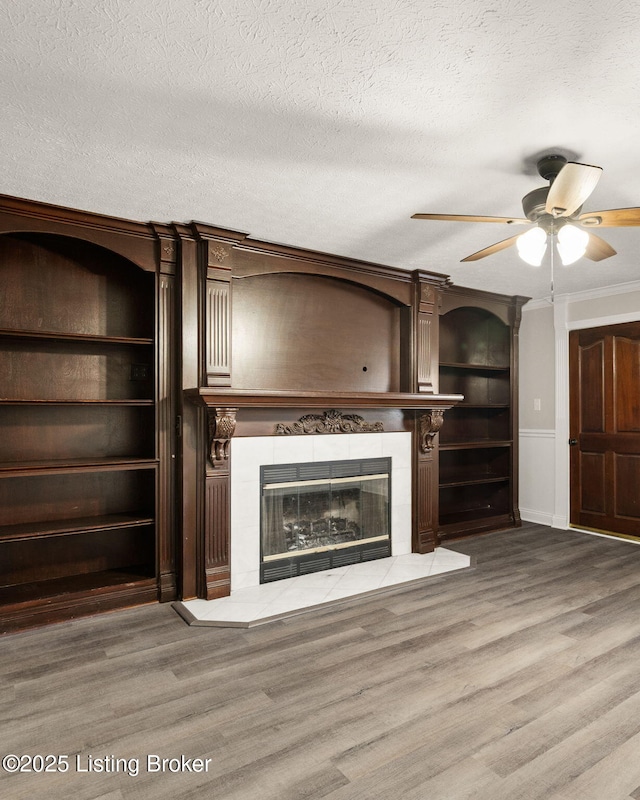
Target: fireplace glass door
<point x="322" y="515"/>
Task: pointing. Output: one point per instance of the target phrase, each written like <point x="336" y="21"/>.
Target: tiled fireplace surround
<point x="251" y="603"/>
<point x="251" y="453"/>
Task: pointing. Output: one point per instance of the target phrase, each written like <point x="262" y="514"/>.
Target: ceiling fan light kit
<point x="556" y="210"/>
<point x="532" y="246"/>
<point x="572" y="244"/>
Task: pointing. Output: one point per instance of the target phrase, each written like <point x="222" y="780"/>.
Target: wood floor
<point x="517" y="678"/>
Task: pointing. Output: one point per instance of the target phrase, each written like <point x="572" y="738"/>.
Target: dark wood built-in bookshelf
<point x="131" y="354"/>
<point x="478" y="443"/>
<point x="80" y="448"/>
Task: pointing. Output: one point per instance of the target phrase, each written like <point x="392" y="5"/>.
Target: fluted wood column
<point x="166" y="417"/>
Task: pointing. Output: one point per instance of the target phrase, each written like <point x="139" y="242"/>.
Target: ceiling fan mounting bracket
<point x="549" y="166"/>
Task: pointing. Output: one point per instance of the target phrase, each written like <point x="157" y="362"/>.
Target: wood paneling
<point x="425" y="352"/>
<point x="166" y="433"/>
<point x="218" y="333"/>
<point x="425" y="505"/>
<point x="217" y="537"/>
<point x="302" y="332"/>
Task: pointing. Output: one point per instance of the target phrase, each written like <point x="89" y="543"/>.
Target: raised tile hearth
<point x="269" y="602"/>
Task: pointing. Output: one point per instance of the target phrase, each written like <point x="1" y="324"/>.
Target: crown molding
<point x="586" y="294"/>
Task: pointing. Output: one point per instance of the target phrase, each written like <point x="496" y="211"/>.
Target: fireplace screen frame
<point x="325" y="555"/>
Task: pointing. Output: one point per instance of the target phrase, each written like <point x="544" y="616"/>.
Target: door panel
<point x="627" y="381"/>
<point x="592" y="494"/>
<point x="627" y="482"/>
<point x="592" y="375"/>
<point x="604" y="376"/>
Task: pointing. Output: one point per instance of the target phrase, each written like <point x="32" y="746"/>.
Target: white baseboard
<point x="539" y="517"/>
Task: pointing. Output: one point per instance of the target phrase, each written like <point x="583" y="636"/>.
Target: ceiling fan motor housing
<point x="534" y="203"/>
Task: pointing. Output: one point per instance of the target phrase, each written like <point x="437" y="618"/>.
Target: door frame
<point x="562" y="325"/>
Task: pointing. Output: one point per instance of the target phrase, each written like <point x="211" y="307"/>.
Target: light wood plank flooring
<point x="517" y="678"/>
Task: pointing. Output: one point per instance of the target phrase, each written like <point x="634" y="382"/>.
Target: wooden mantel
<point x="247" y="398"/>
<point x="288" y="341"/>
<point x="421" y="414"/>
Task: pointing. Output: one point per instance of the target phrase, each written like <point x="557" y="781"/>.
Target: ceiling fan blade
<point x="573" y="184"/>
<point x="494" y="248"/>
<point x="466" y="218"/>
<point x="611" y="218"/>
<point x="598" y="249"/>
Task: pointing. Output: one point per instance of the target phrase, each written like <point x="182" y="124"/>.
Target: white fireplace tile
<point x="447" y="557"/>
<point x="358" y="583"/>
<point x="331" y="447"/>
<point x="418" y="569"/>
<point x="245" y="506"/>
<point x="398" y="446"/>
<point x="293" y="600"/>
<point x="401" y="527"/>
<point x="200" y="607"/>
<point x="264" y="593"/>
<point x="345" y="593"/>
<point x="305" y="594"/>
<point x="245" y="551"/>
<point x="400" y="482"/>
<point x="326" y="579"/>
<point x="292" y="449"/>
<point x="365" y="445"/>
<point x="244" y="470"/>
<point x="413" y="565"/>
<point x="281" y="598"/>
<point x="414" y="559"/>
<point x="371" y="569"/>
<point x="260" y="448"/>
<point x="440" y="569"/>
<point x="398" y="576"/>
<point x="247" y="455"/>
<point x="245" y="562"/>
<point x="238" y="612"/>
<point x="245" y="580"/>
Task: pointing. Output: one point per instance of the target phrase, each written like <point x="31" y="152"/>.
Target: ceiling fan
<point x="556" y="210"/>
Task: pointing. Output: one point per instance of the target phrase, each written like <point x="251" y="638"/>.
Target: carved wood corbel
<point x="430" y="424"/>
<point x="222" y="426"/>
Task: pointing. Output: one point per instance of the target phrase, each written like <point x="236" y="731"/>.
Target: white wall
<point x="544" y="376"/>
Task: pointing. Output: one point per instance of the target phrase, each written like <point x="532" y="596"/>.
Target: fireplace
<point x="317" y="516"/>
<point x="390" y="452"/>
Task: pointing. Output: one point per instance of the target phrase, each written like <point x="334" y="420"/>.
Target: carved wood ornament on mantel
<point x="430" y="425"/>
<point x="222" y="426"/>
<point x="330" y="422"/>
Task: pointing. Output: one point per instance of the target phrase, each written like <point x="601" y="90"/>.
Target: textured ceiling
<point x="327" y="124"/>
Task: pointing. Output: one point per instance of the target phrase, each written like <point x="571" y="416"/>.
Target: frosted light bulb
<point x="572" y="243"/>
<point x="532" y="246"/>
